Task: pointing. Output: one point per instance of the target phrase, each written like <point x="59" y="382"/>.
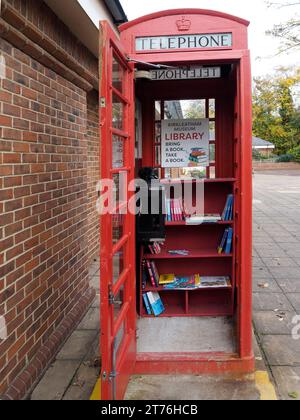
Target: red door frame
<point x="117" y="366"/>
<point x="159" y="24"/>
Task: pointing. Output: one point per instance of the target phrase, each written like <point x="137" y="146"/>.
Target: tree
<point x="275" y="116"/>
<point x="287" y="32"/>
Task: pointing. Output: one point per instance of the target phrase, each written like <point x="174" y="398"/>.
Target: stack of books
<point x="226" y="243"/>
<point x="155" y="248"/>
<point x="172" y="282"/>
<point x="228" y="210"/>
<point x="206" y="218"/>
<point x="174" y="209"/>
<point x="153" y="304"/>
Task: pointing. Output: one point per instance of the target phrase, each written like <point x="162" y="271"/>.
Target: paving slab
<point x="290" y="285"/>
<point x="281" y="350"/>
<point x="288" y="381"/>
<point x="269" y="323"/>
<point x="279" y="262"/>
<point x="91" y="321"/>
<point x="294" y="298"/>
<point x="266" y="286"/>
<point x="192" y="388"/>
<point x="271" y="302"/>
<point x="56" y="380"/>
<point x="77" y="346"/>
<point x="83" y="383"/>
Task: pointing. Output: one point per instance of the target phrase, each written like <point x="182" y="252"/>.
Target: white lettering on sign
<point x="185" y="143"/>
<point x="186" y="74"/>
<point x="184" y="42"/>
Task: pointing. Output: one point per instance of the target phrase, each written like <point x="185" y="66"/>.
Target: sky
<point x="263" y="47"/>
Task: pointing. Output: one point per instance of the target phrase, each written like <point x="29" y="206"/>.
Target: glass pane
<point x="118" y="152"/>
<point x="119" y="299"/>
<point x="119" y="339"/>
<point x="185" y="109"/>
<point x="120" y="188"/>
<point x="212" y="154"/>
<point x="118" y="75"/>
<point x="212" y="131"/>
<point x="158" y="132"/>
<point x="158" y="115"/>
<point x="118" y="113"/>
<point x="118" y="265"/>
<point x="157" y="155"/>
<point x="212" y="108"/>
<point x="118" y="227"/>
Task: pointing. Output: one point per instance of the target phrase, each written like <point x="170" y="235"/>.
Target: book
<point x="155" y="273"/>
<point x="166" y="279"/>
<point x="147" y="304"/>
<point x="184" y="283"/>
<point x="222" y="245"/>
<point x="214" y="282"/>
<point x="229" y="241"/>
<point x="228" y="209"/>
<point x="156" y="303"/>
<point x="174" y="209"/>
<point x="144" y="275"/>
<point x="206" y="218"/>
<point x="150" y="273"/>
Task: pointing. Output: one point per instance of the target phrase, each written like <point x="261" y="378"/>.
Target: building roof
<point x="258" y="142"/>
<point x="117" y="11"/>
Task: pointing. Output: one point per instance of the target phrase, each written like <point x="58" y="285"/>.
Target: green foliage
<point x="275" y="116"/>
<point x="285" y="158"/>
<point x="295" y="153"/>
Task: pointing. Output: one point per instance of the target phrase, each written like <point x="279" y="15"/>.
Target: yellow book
<point x="166" y="279"/>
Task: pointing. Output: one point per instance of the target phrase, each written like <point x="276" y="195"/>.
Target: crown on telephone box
<point x="183" y="24"/>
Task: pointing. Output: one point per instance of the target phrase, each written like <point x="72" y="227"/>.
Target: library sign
<point x="184" y="42"/>
<point x="185" y="143"/>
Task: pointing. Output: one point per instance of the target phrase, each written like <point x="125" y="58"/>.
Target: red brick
<point x="5" y="121"/>
<point x="12" y="110"/>
<point x="6" y="195"/>
<point x="30" y="136"/>
<point x="12" y="181"/>
<point x="11" y="158"/>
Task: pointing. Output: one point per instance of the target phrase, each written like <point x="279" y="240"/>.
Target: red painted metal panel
<point x="118" y="289"/>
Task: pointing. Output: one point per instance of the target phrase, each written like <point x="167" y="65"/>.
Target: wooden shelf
<point x="192" y="254"/>
<point x="162" y="289"/>
<point x="183" y="223"/>
<point x="205" y="181"/>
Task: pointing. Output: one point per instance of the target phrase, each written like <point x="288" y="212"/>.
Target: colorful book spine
<point x="155" y="273"/>
<point x="229" y="241"/>
<point x="151" y="276"/>
<point x="223" y="242"/>
<point x="156" y="303"/>
<point x="147" y="304"/>
<point x="144" y="275"/>
<point x="228" y="210"/>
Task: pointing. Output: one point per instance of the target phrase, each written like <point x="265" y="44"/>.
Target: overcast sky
<point x="263" y="47"/>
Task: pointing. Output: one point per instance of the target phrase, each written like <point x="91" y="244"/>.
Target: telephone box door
<point x="117" y="257"/>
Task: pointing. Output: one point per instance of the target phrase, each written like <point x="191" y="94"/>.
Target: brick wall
<point x="43" y="206"/>
<point x="93" y="172"/>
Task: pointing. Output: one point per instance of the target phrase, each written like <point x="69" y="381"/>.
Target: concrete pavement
<point x="276" y="282"/>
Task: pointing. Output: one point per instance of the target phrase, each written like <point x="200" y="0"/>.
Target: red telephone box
<point x="162" y="64"/>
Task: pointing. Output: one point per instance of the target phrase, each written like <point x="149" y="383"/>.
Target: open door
<point x="118" y="281"/>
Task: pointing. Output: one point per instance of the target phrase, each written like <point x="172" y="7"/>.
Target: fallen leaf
<point x="264" y="285"/>
<point x="294" y="395"/>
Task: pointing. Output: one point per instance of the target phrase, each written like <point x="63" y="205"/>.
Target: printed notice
<point x="185" y="143"/>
